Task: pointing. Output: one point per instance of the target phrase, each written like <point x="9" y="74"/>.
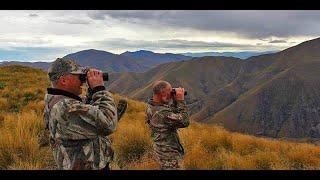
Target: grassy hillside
<point x="204" y="76"/>
<point x="274" y="95"/>
<point x="23" y="144"/>
<point x="292" y="97"/>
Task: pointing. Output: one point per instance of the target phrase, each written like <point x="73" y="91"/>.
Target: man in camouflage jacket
<point x="78" y="131"/>
<point x="164" y="119"/>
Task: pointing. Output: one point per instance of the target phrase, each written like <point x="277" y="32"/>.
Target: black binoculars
<point x="173" y="92"/>
<point x="84" y="78"/>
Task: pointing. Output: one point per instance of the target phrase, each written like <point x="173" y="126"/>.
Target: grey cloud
<point x="170" y="44"/>
<point x="37" y="41"/>
<point x="97" y="15"/>
<point x="278" y="41"/>
<point x="176" y="43"/>
<point x="131" y="14"/>
<point x="33" y="15"/>
<point x="71" y="21"/>
<point x="256" y="24"/>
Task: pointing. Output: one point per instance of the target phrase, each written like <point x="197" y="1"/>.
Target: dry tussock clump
<point x="3" y="104"/>
<point x="147" y="162"/>
<point x="303" y="157"/>
<point x="212" y="147"/>
<point x="19" y="143"/>
<point x="36" y="107"/>
<point x="197" y="157"/>
<point x="213" y="141"/>
<point x="229" y="160"/>
<point x="132" y="137"/>
<point x="266" y="160"/>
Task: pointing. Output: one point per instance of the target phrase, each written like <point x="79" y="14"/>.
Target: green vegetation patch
<point x="2" y="85"/>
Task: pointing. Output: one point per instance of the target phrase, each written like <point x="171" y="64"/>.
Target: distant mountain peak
<point x="93" y="51"/>
<point x="147" y="51"/>
<point x="240" y="54"/>
<point x="156" y="58"/>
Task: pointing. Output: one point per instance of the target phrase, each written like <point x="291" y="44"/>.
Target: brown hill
<point x="274" y="95"/>
<point x="287" y="105"/>
<point x="201" y="76"/>
<point x="107" y="61"/>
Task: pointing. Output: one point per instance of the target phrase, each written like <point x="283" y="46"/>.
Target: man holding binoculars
<point x="164" y="119"/>
<point x="79" y="130"/>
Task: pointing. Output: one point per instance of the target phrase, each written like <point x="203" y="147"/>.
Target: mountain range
<point x="241" y="55"/>
<point x="138" y="61"/>
<point x="157" y="58"/>
<point x="274" y="95"/>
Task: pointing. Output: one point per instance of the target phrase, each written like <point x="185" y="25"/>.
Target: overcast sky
<point x="46" y="35"/>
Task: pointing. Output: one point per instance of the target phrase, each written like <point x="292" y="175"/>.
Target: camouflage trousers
<point x="170" y="164"/>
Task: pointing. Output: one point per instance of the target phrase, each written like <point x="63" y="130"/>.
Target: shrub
<point x="2" y="85"/>
<point x="29" y="96"/>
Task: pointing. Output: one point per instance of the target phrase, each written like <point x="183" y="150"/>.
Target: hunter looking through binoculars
<point x="79" y="128"/>
<point x="164" y="119"/>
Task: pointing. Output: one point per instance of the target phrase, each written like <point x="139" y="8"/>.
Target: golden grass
<point x="131" y="141"/>
<point x="19" y="142"/>
<point x="206" y="146"/>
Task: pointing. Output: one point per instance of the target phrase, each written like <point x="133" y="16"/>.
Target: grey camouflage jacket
<point x="164" y="121"/>
<point x="78" y="131"/>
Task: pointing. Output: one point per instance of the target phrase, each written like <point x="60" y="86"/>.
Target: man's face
<point x="166" y="94"/>
<point x="71" y="83"/>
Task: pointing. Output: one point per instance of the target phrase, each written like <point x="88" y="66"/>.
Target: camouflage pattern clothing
<point x="78" y="131"/>
<point x="170" y="164"/>
<point x="164" y="121"/>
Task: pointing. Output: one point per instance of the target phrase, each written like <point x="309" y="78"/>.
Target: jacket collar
<point x="151" y="102"/>
<point x="54" y="91"/>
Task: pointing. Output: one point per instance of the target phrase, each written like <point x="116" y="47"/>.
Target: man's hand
<point x="95" y="78"/>
<point x="179" y="94"/>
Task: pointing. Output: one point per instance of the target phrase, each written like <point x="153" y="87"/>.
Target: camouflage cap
<point x="64" y="66"/>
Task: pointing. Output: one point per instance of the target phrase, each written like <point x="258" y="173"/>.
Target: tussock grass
<point x="132" y="140"/>
<point x="207" y="146"/>
<point x="19" y="143"/>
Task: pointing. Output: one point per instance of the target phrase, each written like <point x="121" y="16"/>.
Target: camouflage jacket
<point x="164" y="120"/>
<point x="78" y="131"/>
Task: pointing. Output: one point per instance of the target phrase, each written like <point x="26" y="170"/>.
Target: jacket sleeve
<point x="100" y="115"/>
<point x="148" y="113"/>
<point x="178" y="116"/>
